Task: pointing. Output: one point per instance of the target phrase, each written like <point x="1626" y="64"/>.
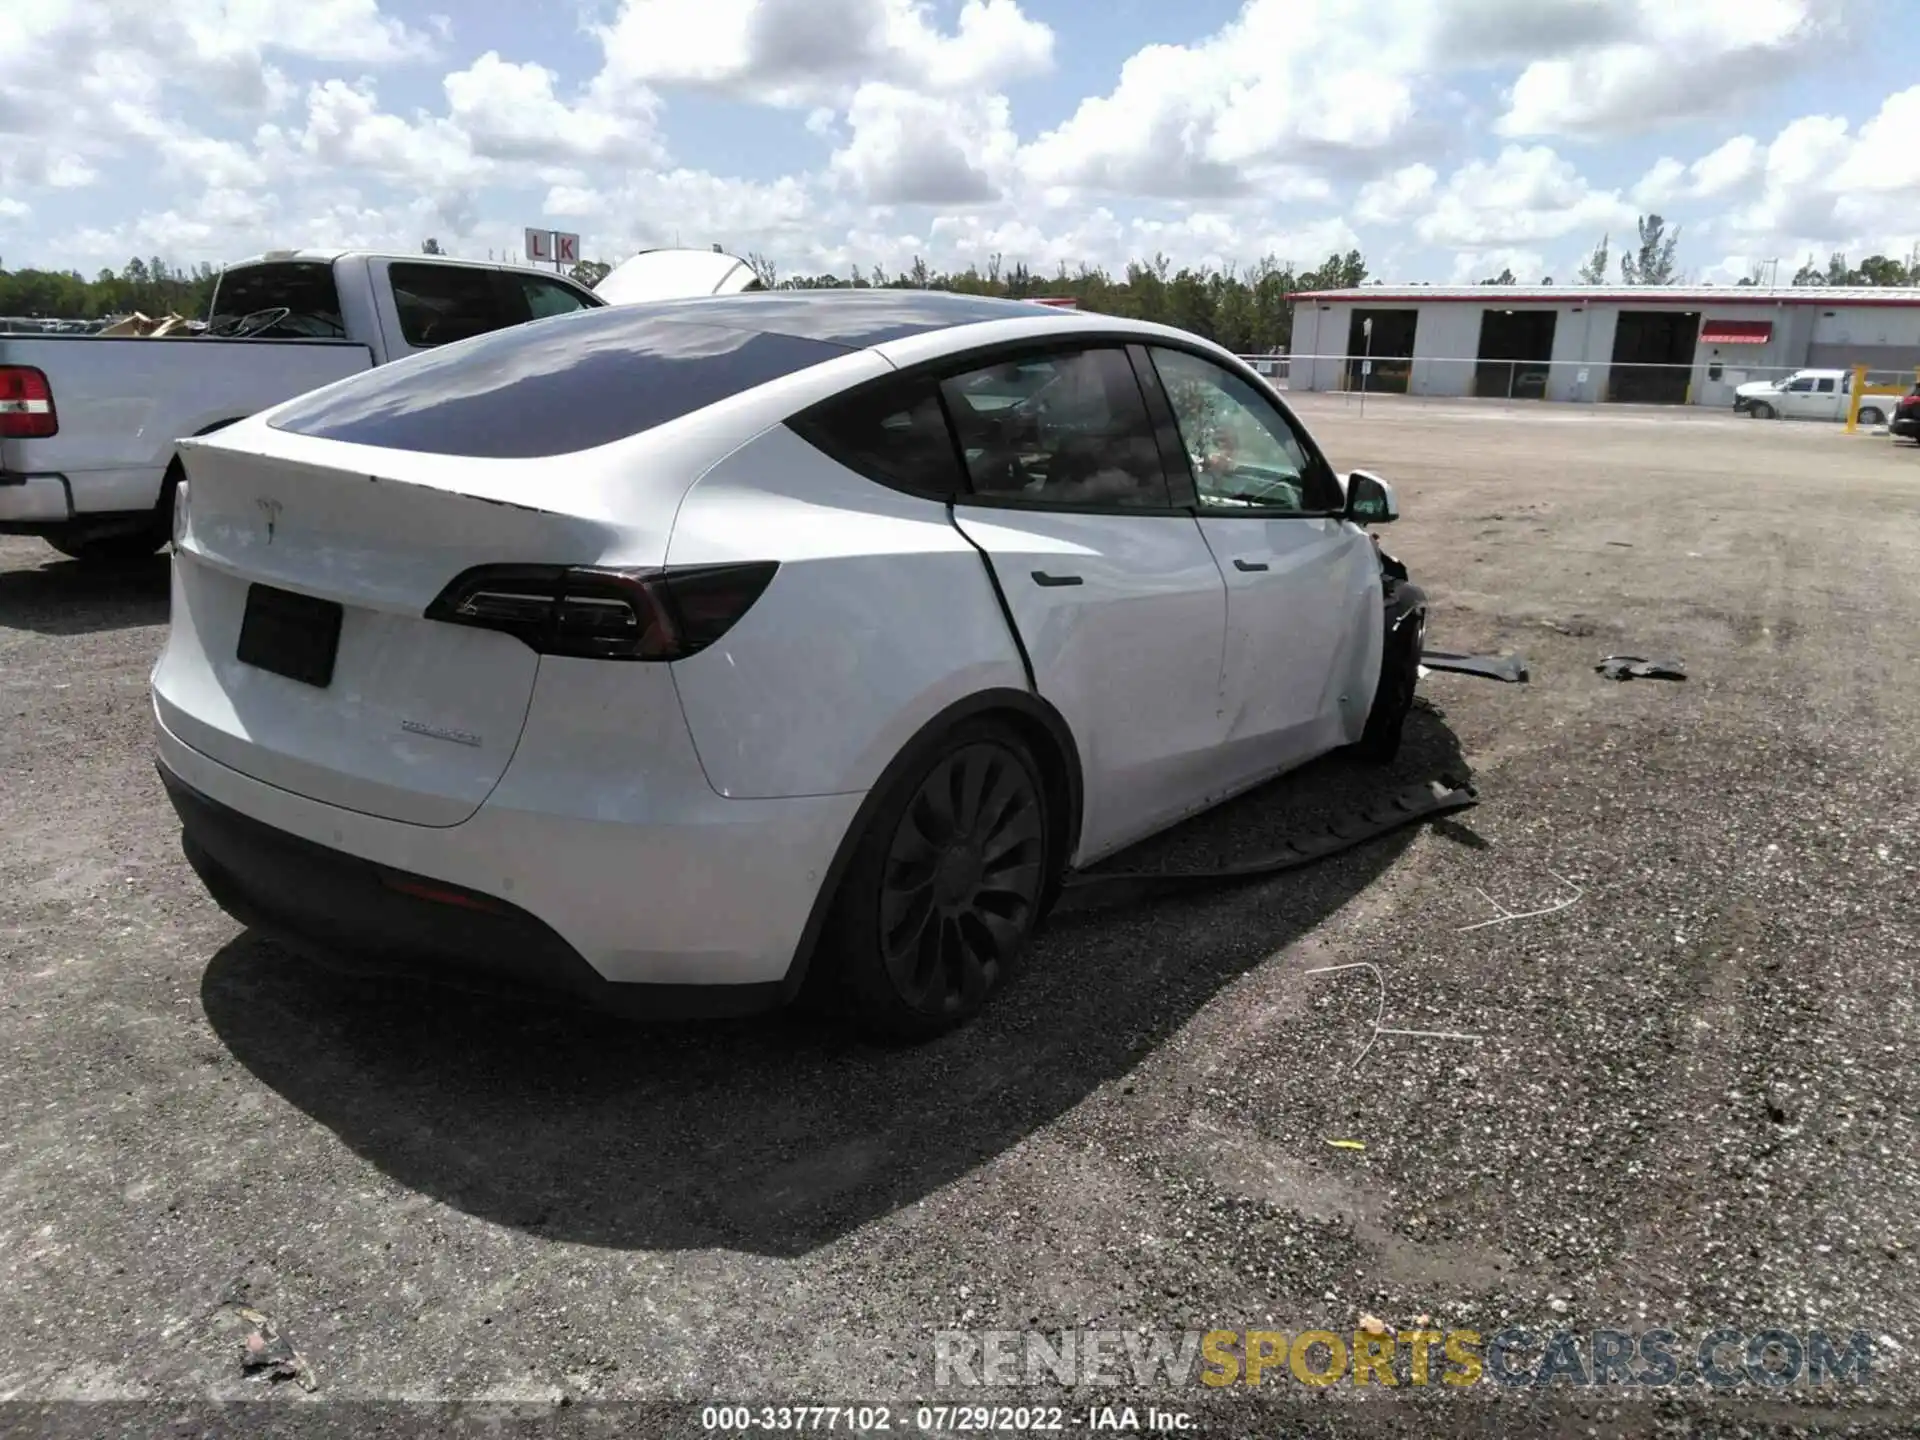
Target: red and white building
<point x="1653" y="344"/>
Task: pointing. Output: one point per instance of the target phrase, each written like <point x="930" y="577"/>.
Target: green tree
<point x="1505" y="277"/>
<point x="590" y="272"/>
<point x="1594" y="270"/>
<point x="1653" y="265"/>
<point x="1881" y="270"/>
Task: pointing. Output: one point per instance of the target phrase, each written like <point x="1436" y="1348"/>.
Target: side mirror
<point x="1370" y="499"/>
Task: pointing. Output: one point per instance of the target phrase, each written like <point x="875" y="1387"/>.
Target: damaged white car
<point x="681" y="655"/>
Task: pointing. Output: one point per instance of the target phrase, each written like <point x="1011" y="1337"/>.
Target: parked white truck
<point x="1806" y="395"/>
<point x="89" y="424"/>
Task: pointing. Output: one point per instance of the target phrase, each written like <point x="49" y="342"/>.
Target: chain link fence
<point x="1711" y="383"/>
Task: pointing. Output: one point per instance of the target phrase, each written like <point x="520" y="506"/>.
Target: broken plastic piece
<point x="267" y="1349"/>
<point x="1422" y="802"/>
<point x="1348" y="1144"/>
<point x="1629" y="667"/>
<point x="1510" y="668"/>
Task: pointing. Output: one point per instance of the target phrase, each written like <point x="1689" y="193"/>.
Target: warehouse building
<point x="1669" y="345"/>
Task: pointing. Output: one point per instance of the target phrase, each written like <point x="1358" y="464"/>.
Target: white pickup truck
<point x="1806" y="395"/>
<point x="89" y="424"/>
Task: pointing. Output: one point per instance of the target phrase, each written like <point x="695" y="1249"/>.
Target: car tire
<point x="121" y="547"/>
<point x="1760" y="410"/>
<point x="1379" y="742"/>
<point x="945" y="886"/>
<point x="1871" y="415"/>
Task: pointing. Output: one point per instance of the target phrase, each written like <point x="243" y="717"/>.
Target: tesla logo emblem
<point x="270" y="509"/>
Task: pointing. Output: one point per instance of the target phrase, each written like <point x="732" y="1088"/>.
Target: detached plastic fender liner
<point x="919" y="751"/>
<point x="1420" y="802"/>
<point x="1510" y="668"/>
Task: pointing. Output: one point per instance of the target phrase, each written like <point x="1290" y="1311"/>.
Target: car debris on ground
<point x="1632" y="667"/>
<point x="1510" y="668"/>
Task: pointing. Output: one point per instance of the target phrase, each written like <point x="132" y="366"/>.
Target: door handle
<point x="1041" y="577"/>
<point x="1239" y="564"/>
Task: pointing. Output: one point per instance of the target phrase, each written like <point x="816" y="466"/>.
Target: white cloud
<point x="268" y="122"/>
<point x="1525" y="195"/>
<point x="510" y="112"/>
<point x="346" y="130"/>
<point x="1471" y="267"/>
<point x="692" y="207"/>
<point x="1733" y="167"/>
<point x="88" y="83"/>
<point x="807" y="52"/>
<point x="1395" y="197"/>
<point x="1678" y="59"/>
<point x="1662" y="185"/>
<point x="1285" y="87"/>
<point x="909" y="148"/>
<point x="1824" y="186"/>
<point x="1726" y="169"/>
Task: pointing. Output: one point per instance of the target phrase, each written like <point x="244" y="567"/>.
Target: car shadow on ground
<point x="64" y="597"/>
<point x="778" y="1135"/>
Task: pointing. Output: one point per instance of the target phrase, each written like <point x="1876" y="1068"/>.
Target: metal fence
<point x="1712" y="382"/>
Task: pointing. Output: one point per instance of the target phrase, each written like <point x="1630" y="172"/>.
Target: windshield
<point x="1006" y="385"/>
<point x="303" y="288"/>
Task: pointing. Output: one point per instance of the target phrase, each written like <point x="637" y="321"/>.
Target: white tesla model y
<point x="677" y="654"/>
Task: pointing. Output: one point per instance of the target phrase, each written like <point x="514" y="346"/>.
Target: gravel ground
<point x="1691" y="1102"/>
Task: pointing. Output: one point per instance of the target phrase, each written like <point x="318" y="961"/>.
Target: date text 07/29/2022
<point x="937" y="1419"/>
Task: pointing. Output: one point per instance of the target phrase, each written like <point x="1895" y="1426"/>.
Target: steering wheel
<point x="255" y="321"/>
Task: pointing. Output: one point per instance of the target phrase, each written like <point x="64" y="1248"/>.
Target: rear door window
<point x="894" y="433"/>
<point x="1067" y="430"/>
<point x="574" y="383"/>
<point x="439" y="304"/>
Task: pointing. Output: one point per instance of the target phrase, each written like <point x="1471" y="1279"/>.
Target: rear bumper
<point x="29" y="502"/>
<point x="1907" y="425"/>
<point x="703" y="910"/>
<point x="363" y="918"/>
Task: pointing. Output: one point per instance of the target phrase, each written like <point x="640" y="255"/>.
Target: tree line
<point x="1248" y="310"/>
<point x="151" y="287"/>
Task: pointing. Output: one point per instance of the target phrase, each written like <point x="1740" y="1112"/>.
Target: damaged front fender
<point x="1404" y="600"/>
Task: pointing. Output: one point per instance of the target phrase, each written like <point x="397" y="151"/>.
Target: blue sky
<point x="1445" y="139"/>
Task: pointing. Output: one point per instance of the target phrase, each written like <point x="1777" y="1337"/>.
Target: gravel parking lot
<point x="1691" y="1102"/>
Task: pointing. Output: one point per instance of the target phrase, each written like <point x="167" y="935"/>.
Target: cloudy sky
<point x="1445" y="138"/>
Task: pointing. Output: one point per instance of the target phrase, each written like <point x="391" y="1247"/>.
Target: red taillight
<point x="602" y="614"/>
<point x="26" y="404"/>
<point x="439" y="894"/>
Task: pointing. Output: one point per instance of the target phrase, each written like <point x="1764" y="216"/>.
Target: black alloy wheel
<point x="948" y="886"/>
